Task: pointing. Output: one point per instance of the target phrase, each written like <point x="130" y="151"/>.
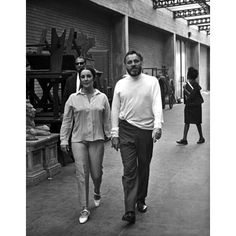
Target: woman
<point x="87" y="114"/>
<point x="193" y="106"/>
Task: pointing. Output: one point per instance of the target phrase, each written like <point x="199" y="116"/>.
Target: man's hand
<point x="115" y="143"/>
<point x="156" y="134"/>
<point x="65" y="148"/>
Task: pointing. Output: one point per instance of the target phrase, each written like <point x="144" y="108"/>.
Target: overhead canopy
<point x="195" y="12"/>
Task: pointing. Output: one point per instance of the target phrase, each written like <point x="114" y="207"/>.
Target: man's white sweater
<point x="138" y="101"/>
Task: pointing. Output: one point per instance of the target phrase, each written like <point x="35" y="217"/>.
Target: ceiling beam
<point x="204" y="5"/>
<point x="204" y="27"/>
<point x="174" y="3"/>
<point x="204" y="9"/>
<point x="197" y="21"/>
<point x="189" y="12"/>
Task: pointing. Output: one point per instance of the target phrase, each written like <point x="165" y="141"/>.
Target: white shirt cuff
<point x="158" y="125"/>
<point x="115" y="132"/>
<point x="64" y="143"/>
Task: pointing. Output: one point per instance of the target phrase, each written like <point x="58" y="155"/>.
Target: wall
<point x="209" y="70"/>
<point x="163" y="19"/>
<point x="192" y="56"/>
<point x="150" y="42"/>
<point x="204" y="67"/>
<point x="160" y="18"/>
<point x="169" y="54"/>
<point x="61" y="15"/>
<point x="117" y="26"/>
<point x="119" y="46"/>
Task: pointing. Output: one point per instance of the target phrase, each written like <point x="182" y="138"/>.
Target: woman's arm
<point x="67" y="123"/>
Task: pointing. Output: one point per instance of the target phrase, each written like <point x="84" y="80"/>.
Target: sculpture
<point x="31" y="129"/>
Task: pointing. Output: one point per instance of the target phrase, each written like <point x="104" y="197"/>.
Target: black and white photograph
<point x="117" y="115"/>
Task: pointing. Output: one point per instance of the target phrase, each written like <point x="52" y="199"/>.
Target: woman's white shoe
<point x="97" y="199"/>
<point x="84" y="215"/>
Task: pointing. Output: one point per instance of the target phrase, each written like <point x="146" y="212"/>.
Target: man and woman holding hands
<point x="134" y="124"/>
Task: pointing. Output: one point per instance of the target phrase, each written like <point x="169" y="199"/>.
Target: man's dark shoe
<point x="182" y="142"/>
<point x="142" y="207"/>
<point x="201" y="140"/>
<point x="129" y="216"/>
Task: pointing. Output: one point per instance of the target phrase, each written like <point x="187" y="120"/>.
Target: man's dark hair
<point x="192" y="73"/>
<point x="81" y="58"/>
<point x="133" y="52"/>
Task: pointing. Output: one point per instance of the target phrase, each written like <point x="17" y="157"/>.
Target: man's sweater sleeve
<point x="115" y="113"/>
<point x="157" y="106"/>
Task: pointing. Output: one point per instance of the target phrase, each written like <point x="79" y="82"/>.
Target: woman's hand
<point x="115" y="143"/>
<point x="65" y="148"/>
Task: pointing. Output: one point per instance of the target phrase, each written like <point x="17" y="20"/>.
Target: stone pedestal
<point x="50" y="161"/>
<point x="41" y="158"/>
<point x="34" y="165"/>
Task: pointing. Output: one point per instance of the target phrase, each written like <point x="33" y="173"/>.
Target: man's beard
<point x="134" y="71"/>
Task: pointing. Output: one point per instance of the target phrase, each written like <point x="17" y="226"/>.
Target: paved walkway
<point x="178" y="198"/>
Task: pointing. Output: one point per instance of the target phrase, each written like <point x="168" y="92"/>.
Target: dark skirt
<point x="193" y="114"/>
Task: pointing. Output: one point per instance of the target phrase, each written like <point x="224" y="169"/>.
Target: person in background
<point x="89" y="111"/>
<point x="136" y="123"/>
<point x="72" y="85"/>
<point x="193" y="106"/>
<point x="73" y="82"/>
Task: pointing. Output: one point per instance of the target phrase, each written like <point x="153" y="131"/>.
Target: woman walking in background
<point x="193" y="106"/>
<point x="90" y="111"/>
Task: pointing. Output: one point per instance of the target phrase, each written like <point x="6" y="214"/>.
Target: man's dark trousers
<point x="136" y="147"/>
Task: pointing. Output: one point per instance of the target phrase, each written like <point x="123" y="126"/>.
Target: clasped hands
<point x="156" y="135"/>
<point x="115" y="141"/>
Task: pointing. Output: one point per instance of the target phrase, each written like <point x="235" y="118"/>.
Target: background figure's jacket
<point x="192" y="94"/>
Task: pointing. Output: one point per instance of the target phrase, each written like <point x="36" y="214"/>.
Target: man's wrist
<point x="115" y="132"/>
<point x="157" y="128"/>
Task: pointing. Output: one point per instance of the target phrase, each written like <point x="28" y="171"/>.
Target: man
<point x="73" y="82"/>
<point x="136" y="123"/>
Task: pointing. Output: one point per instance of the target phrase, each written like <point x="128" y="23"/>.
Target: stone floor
<point x="178" y="199"/>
